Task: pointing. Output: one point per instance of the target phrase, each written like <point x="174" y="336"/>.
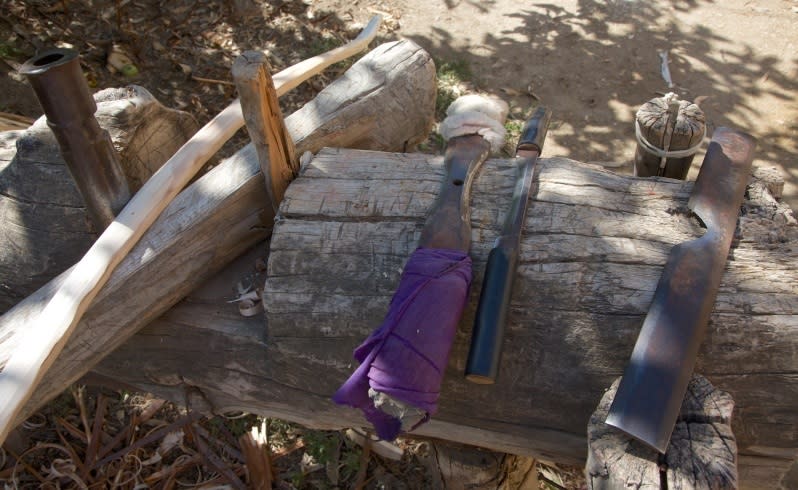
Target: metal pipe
<point x="63" y="94"/>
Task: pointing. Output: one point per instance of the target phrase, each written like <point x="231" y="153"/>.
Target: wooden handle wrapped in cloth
<point x="397" y="384"/>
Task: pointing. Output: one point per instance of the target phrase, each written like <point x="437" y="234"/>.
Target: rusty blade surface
<point x="650" y="394"/>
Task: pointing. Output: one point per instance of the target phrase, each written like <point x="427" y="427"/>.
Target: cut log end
<point x="219" y="217"/>
<point x="660" y="129"/>
<point x="702" y="453"/>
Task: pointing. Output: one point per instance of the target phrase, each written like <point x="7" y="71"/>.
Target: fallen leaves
<point x="119" y="60"/>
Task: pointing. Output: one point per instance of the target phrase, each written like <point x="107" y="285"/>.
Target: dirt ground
<point x="593" y="63"/>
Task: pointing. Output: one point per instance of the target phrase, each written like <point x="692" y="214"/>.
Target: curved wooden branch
<point x="45" y="338"/>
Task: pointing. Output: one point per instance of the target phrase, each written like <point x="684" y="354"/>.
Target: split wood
<point x="45" y="338"/>
<point x="265" y="124"/>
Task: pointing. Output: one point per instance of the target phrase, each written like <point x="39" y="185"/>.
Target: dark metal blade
<point x="484" y="355"/>
<point x="650" y="394"/>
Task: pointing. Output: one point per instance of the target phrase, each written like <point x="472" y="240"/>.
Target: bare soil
<point x="594" y="63"/>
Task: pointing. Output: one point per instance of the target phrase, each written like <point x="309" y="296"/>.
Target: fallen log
<point x="594" y="246"/>
<point x="385" y="101"/>
<point x="43" y="218"/>
<point x="41" y="342"/>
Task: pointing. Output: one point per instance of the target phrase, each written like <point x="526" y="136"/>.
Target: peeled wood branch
<point x="385" y="101"/>
<point x="594" y="247"/>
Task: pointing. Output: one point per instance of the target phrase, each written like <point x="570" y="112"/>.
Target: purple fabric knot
<point x="405" y="358"/>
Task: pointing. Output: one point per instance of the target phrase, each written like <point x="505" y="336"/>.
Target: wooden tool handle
<point x="449" y="224"/>
<point x="534" y="132"/>
<point x="45" y="338"/>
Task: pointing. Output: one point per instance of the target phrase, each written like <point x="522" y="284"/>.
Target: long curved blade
<point x="650" y="394"/>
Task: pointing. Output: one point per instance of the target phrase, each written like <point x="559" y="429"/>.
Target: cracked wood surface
<point x="45" y="228"/>
<point x="387" y="98"/>
<point x="593" y="249"/>
<point x="702" y="454"/>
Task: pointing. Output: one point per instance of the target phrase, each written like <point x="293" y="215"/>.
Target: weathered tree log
<point x="387" y="99"/>
<point x="594" y="246"/>
<point x="702" y="454"/>
<point x="43" y="220"/>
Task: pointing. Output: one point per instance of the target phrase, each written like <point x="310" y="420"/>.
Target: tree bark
<point x="594" y="246"/>
<point x="387" y="98"/>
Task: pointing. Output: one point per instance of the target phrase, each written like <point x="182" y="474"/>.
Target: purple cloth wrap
<point x="407" y="355"/>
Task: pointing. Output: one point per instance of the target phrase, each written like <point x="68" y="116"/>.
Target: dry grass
<point x="91" y="438"/>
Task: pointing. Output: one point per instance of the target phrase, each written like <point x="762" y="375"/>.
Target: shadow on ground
<point x="595" y="64"/>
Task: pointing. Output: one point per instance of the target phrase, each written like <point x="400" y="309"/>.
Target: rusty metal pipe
<point x="58" y="82"/>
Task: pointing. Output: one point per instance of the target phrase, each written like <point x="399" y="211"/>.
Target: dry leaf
<point x="120" y="61"/>
<point x="170" y="441"/>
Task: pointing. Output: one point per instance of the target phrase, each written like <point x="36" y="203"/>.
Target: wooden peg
<point x="265" y="123"/>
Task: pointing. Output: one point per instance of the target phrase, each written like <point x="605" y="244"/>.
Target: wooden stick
<point x="256" y="451"/>
<point x="45" y="338"/>
<point x="265" y="124"/>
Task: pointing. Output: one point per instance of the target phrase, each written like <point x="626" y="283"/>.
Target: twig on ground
<point x="213" y="460"/>
<point x="77" y="394"/>
<point x="360" y="479"/>
<point x="94" y="442"/>
<point x="152" y="437"/>
<point x="211" y="80"/>
<point x="72" y="453"/>
<point x="257" y="457"/>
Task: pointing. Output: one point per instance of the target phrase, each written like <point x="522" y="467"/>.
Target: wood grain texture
<point x="43" y="221"/>
<point x="219" y="216"/>
<point x="659" y="128"/>
<point x="702" y="454"/>
<point x="44" y="338"/>
<point x="265" y="124"/>
<point x="591" y="257"/>
<point x="592" y="252"/>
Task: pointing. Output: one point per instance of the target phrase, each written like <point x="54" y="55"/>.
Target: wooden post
<point x="669" y="132"/>
<point x="702" y="452"/>
<point x="265" y="124"/>
<point x="57" y="79"/>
